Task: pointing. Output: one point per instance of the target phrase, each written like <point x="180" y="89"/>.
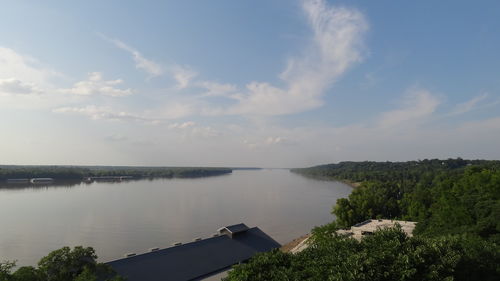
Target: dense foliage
<point x="65" y="264"/>
<point x="387" y="255"/>
<point x="79" y="172"/>
<point x="445" y="196"/>
<point x="456" y="203"/>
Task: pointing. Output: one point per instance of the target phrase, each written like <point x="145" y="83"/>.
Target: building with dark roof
<point x="233" y="229"/>
<point x="199" y="259"/>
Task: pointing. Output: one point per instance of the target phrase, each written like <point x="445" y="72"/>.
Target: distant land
<point x="246" y="168"/>
<point x="13" y="172"/>
<point x="356" y="172"/>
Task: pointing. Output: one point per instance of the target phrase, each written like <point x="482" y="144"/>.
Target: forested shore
<point x="445" y="196"/>
<point x="81" y="172"/>
<point x="455" y="202"/>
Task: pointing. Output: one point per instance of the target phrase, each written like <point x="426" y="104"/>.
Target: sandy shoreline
<point x="351" y="184"/>
<point x="294" y="243"/>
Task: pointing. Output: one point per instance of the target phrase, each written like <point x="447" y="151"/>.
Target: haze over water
<point x="117" y="218"/>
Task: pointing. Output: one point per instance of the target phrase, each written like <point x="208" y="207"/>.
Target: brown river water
<point x="133" y="216"/>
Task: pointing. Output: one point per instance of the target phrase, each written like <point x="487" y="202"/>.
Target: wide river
<point x="118" y="218"/>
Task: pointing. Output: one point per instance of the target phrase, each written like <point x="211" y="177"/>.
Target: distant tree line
<point x="410" y="171"/>
<point x="456" y="203"/>
<point x="79" y="172"/>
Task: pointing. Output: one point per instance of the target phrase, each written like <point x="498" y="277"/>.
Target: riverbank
<point x="352" y="184"/>
<point x="327" y="178"/>
<point x="292" y="245"/>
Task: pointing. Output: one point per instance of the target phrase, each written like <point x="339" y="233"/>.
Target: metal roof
<point x="196" y="259"/>
<point x="236" y="228"/>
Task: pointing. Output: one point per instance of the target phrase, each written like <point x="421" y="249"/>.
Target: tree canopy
<point x="387" y="255"/>
<point x="65" y="264"/>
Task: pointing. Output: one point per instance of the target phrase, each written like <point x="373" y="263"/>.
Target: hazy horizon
<point x="228" y="166"/>
<point x="265" y="83"/>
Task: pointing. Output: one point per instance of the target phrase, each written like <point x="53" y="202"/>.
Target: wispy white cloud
<point x="108" y="113"/>
<point x="335" y="46"/>
<point x="268" y="142"/>
<point x="151" y="67"/>
<point x="14" y="86"/>
<point x="204" y="132"/>
<point x="418" y="104"/>
<point x="184" y="125"/>
<point x="96" y="85"/>
<point x="26" y="83"/>
<point x="276" y="140"/>
<point x="214" y="89"/>
<point x="469" y="105"/>
<point x="104" y="113"/>
<point x="190" y="130"/>
<point x="183" y="75"/>
<point x="24" y="69"/>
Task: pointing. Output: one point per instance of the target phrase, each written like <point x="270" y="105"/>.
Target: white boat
<point x="41" y="180"/>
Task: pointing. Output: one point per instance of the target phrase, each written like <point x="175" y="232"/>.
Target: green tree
<point x="65" y="264"/>
<point x="5" y="270"/>
<point x="27" y="273"/>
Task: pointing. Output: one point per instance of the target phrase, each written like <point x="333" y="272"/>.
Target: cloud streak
<point x="96" y="85"/>
<point x="152" y="68"/>
<point x="214" y="89"/>
<point x="108" y="113"/>
<point x="469" y="105"/>
<point x="104" y="113"/>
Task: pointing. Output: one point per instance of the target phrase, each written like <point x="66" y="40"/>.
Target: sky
<point x="267" y="83"/>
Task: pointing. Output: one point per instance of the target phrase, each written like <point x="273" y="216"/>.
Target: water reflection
<point x="86" y="181"/>
<point x="42" y="185"/>
<point x="62" y="184"/>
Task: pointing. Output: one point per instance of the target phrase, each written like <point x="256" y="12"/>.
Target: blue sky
<point x="248" y="83"/>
